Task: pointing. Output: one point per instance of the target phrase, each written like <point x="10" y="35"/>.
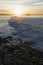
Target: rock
<point x="3" y="40"/>
<point x="21" y="54"/>
<point x="9" y="37"/>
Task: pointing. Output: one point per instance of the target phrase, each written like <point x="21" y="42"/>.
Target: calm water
<point x="28" y="28"/>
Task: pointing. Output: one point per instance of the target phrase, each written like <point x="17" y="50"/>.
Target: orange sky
<point x="28" y="6"/>
<point x="27" y="10"/>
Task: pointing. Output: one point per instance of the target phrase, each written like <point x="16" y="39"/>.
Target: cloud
<point x="22" y="2"/>
<point x="38" y="3"/>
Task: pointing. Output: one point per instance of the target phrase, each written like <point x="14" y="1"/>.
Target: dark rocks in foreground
<point x="20" y="54"/>
<point x="3" y="40"/>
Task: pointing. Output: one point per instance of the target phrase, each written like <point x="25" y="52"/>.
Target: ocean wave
<point x="26" y="29"/>
<point x="29" y="29"/>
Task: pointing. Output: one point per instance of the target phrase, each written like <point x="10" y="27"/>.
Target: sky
<point x="29" y="6"/>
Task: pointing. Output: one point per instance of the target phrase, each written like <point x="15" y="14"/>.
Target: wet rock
<point x="9" y="37"/>
<point x="21" y="54"/>
<point x="3" y="40"/>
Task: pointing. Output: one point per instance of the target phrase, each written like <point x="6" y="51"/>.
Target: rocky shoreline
<point x="20" y="54"/>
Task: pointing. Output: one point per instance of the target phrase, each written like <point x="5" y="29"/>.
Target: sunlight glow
<point x="18" y="11"/>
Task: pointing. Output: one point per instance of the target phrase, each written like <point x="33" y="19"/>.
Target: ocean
<point x="27" y="28"/>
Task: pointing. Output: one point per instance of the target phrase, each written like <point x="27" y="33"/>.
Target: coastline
<point x="13" y="50"/>
<point x="20" y="54"/>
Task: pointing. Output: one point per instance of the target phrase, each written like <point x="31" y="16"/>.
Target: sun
<point x="18" y="10"/>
